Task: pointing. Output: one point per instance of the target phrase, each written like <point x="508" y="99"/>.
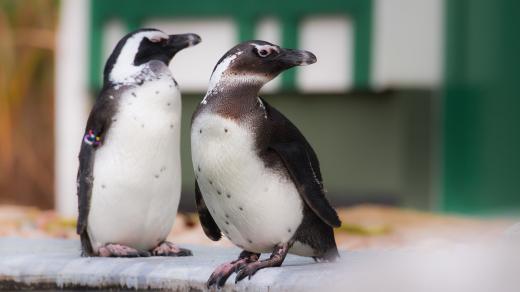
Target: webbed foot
<point x="168" y="249"/>
<point x="221" y="274"/>
<point x="119" y="250"/>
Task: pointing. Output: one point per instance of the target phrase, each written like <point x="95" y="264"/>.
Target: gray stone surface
<point x="51" y="263"/>
<point x="513" y="232"/>
<point x="435" y="266"/>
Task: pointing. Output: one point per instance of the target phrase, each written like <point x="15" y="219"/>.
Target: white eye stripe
<point x="155" y="36"/>
<point x="123" y="67"/>
<point x="156" y="39"/>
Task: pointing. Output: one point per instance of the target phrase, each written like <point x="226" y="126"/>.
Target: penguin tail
<point x="331" y="255"/>
<point x="86" y="245"/>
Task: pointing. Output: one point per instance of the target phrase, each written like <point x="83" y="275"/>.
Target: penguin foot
<point x="276" y="260"/>
<point x="168" y="249"/>
<point x="221" y="274"/>
<point x="119" y="250"/>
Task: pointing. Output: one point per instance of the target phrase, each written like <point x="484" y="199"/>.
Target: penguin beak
<point x="288" y="58"/>
<point x="181" y="41"/>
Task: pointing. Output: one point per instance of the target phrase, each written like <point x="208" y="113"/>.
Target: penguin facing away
<point x="129" y="162"/>
<point x="258" y="180"/>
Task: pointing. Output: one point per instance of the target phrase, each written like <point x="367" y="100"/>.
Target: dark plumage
<point x="135" y="71"/>
<point x="232" y="102"/>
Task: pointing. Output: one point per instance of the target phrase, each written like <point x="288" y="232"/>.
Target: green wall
<point x="481" y="109"/>
<point x="246" y="14"/>
<point x="373" y="147"/>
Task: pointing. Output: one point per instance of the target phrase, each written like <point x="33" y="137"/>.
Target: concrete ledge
<point x="435" y="265"/>
<point x="55" y="263"/>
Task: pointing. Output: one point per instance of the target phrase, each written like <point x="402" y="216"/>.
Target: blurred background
<point x="412" y="104"/>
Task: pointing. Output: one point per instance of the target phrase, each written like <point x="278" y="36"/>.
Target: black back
<point x="301" y="162"/>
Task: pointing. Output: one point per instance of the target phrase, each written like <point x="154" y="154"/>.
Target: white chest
<point x="255" y="207"/>
<point x="137" y="174"/>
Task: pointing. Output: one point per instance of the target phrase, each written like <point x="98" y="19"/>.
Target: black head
<point x="142" y="46"/>
<point x="258" y="62"/>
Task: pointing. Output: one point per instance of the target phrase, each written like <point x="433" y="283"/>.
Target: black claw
<point x="239" y="268"/>
<point x="126" y="255"/>
<point x="216" y="280"/>
<point x="246" y="271"/>
<point x="210" y="282"/>
<point x="185" y="252"/>
<point x="181" y="253"/>
<point x="143" y="253"/>
<point x="221" y="281"/>
<point x="134" y="254"/>
<point x="240" y="276"/>
<point x="219" y="278"/>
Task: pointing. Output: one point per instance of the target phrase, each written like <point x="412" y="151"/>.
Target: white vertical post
<point x="408" y="42"/>
<point x="71" y="101"/>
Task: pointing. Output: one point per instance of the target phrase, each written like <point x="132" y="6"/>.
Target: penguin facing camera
<point x="129" y="175"/>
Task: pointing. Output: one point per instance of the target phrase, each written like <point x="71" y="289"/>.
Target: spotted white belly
<point x="255" y="207"/>
<point x="137" y="170"/>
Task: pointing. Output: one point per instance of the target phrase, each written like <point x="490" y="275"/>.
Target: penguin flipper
<point x="85" y="182"/>
<point x="208" y="224"/>
<point x="98" y="124"/>
<point x="297" y="162"/>
<point x="302" y="164"/>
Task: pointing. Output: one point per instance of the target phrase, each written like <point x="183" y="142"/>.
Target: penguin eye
<point x="264" y="52"/>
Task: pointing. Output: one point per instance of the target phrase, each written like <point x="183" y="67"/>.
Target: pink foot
<point x="169" y="249"/>
<point x="119" y="250"/>
<point x="221" y="274"/>
<point x="276" y="260"/>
